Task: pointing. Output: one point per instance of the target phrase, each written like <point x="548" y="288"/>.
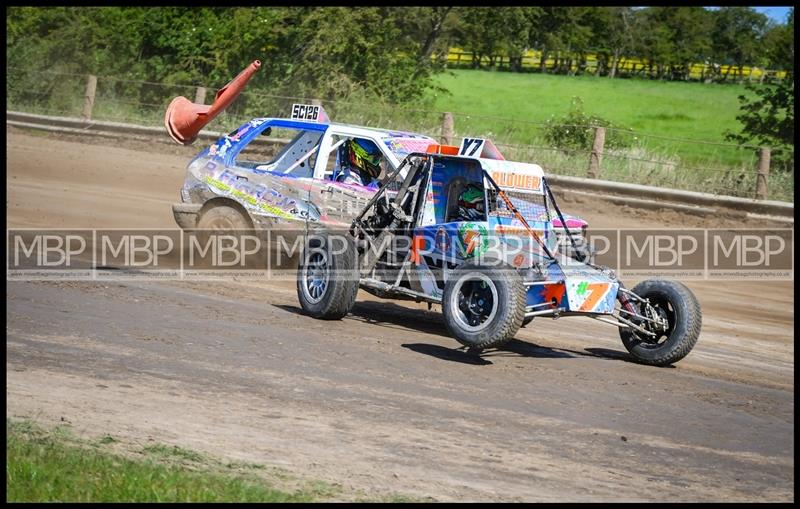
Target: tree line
<point x="389" y="52"/>
<point x="668" y="39"/>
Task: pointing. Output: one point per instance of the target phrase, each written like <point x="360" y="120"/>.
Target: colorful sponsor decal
<point x="403" y="146"/>
<point x="429" y="214"/>
<point x="247" y="198"/>
<point x="242" y="130"/>
<point x="474" y="239"/>
<point x="502" y="213"/>
<point x="595" y="292"/>
<point x="517" y="181"/>
<point x="257" y="122"/>
<point x="588" y="295"/>
<point x="221" y="147"/>
<point x="504" y="229"/>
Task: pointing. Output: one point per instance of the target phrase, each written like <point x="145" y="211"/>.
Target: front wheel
<point x="678" y="310"/>
<point x="483" y="306"/>
<point x="327" y="278"/>
<point x="223" y="219"/>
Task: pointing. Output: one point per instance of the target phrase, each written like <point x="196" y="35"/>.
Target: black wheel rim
<point x="476" y="302"/>
<point x="664" y="310"/>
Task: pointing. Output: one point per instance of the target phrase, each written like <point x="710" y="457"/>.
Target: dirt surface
<point x="384" y="400"/>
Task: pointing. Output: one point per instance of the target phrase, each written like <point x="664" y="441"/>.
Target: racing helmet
<point x="362" y="157"/>
<point x="471" y="197"/>
<point x="470" y="202"/>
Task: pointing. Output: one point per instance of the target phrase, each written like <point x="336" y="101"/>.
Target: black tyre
<point x="483" y="306"/>
<point x="678" y="305"/>
<point x="327" y="277"/>
<point x="223" y="218"/>
<point x="527" y="320"/>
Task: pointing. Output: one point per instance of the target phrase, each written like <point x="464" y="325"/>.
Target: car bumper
<point x="186" y="214"/>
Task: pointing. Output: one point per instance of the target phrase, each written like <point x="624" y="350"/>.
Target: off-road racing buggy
<point x="491" y="268"/>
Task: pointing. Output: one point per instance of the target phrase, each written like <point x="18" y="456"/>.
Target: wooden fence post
<point x="596" y="157"/>
<point x="762" y="188"/>
<point x="316" y="102"/>
<point x="200" y="95"/>
<point x="447" y="128"/>
<point x="88" y="102"/>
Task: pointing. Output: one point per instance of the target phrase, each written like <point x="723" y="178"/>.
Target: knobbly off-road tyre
<point x="476" y="322"/>
<point x="685" y="320"/>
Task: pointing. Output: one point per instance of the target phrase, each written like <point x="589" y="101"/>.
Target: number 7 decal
<point x="596" y="292"/>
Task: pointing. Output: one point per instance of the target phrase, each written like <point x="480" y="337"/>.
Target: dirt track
<point x="384" y="400"/>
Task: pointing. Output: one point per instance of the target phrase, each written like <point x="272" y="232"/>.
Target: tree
<point x="655" y="44"/>
<point x="737" y="36"/>
<point x="768" y="118"/>
<point x="779" y="44"/>
<point x="674" y="38"/>
<point x="612" y="27"/>
<point x="563" y="33"/>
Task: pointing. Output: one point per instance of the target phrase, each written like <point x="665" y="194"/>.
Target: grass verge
<point x="54" y="465"/>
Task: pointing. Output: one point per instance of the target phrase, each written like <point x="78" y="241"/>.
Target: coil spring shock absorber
<point x="625" y="301"/>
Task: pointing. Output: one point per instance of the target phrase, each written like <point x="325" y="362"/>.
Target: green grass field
<point x="511" y="108"/>
<point x="675" y="109"/>
<point x="691" y="111"/>
<point x="55" y="466"/>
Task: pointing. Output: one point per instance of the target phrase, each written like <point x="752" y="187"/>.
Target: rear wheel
<point x="483" y="306"/>
<point x="327" y="280"/>
<point x="678" y="310"/>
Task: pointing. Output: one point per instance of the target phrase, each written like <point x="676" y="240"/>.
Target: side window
<point x="355" y="160"/>
<point x="332" y="164"/>
<point x="295" y="154"/>
<point x="465" y="200"/>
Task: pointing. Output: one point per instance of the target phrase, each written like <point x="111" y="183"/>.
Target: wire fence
<point x="628" y="156"/>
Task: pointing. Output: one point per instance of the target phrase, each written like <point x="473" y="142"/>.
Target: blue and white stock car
<point x="239" y="183"/>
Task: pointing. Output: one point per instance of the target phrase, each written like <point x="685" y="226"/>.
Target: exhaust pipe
<point x="184" y="119"/>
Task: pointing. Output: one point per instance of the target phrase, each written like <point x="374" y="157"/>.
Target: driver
<point x="359" y="162"/>
<point x="471" y="204"/>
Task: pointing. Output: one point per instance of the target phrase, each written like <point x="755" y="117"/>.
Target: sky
<point x="777" y="14"/>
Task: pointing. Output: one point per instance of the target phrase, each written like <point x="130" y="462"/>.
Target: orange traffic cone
<point x="184" y="119"/>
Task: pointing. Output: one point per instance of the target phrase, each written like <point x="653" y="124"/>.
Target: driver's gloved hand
<point x="469" y="214"/>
